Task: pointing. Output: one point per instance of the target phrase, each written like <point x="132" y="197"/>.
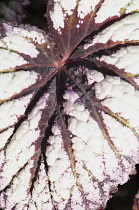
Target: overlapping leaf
<point x="70" y="22"/>
<point x="69" y="130"/>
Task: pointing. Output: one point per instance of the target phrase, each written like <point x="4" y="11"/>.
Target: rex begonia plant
<point x="69" y="106"/>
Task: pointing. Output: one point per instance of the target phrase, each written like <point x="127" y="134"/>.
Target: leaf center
<point x="62" y="62"/>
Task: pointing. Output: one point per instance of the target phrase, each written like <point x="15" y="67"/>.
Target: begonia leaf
<point x="69" y="131"/>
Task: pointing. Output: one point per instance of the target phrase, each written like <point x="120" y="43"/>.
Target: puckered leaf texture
<point x="69" y="131"/>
